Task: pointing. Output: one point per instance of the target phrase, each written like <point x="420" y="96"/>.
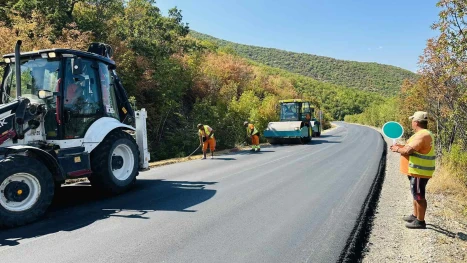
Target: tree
<point x="444" y="67"/>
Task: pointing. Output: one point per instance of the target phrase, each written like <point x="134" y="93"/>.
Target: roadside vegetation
<point x="180" y="80"/>
<point x="441" y="89"/>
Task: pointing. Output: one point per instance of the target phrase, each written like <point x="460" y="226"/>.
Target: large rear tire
<point x="26" y="190"/>
<point x="115" y="163"/>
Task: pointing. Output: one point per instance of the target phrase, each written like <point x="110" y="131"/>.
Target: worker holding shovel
<point x="252" y="133"/>
<point x="206" y="138"/>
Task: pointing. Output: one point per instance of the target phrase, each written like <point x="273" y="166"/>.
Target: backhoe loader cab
<point x="297" y="123"/>
<point x="64" y="114"/>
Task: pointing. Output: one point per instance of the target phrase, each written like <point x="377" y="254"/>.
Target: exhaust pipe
<point x="18" y="68"/>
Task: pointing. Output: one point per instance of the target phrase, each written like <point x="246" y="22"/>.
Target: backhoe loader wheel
<point x="115" y="163"/>
<point x="26" y="190"/>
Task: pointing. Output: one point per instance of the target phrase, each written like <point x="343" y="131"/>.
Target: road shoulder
<point x="445" y="239"/>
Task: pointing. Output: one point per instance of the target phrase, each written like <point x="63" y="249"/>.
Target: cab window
<point x="108" y="92"/>
<point x="81" y="100"/>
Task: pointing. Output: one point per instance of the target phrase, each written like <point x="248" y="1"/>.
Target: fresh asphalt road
<point x="284" y="204"/>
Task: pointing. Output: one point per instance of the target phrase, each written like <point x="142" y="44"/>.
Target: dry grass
<point x="445" y="182"/>
<point x="453" y="191"/>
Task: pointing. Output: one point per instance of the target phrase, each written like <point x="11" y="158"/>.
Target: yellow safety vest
<point x="248" y="131"/>
<point x="206" y="132"/>
<point x="423" y="164"/>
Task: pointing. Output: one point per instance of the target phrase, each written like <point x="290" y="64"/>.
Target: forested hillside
<point x="383" y="79"/>
<point x="180" y="80"/>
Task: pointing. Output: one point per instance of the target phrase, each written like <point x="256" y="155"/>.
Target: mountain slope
<point x="375" y="77"/>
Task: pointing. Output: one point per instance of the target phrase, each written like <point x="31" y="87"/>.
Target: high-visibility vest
<point x="423" y="164"/>
<point x="248" y="130"/>
<point x="206" y="132"/>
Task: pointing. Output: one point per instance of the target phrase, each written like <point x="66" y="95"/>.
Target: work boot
<point x="258" y="149"/>
<point x="409" y="218"/>
<point x="252" y="149"/>
<point x="416" y="224"/>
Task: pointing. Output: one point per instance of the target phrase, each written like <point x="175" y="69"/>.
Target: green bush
<point x="456" y="161"/>
<point x="377" y="114"/>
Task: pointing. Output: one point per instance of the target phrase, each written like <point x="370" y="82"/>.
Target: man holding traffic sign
<point x="418" y="163"/>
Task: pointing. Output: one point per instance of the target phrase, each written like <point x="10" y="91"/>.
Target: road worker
<point x="418" y="163"/>
<point x="206" y="139"/>
<point x="252" y="133"/>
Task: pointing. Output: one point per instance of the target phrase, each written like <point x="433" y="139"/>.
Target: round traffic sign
<point x="393" y="130"/>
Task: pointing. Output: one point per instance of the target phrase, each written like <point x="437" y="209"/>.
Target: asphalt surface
<point x="284" y="204"/>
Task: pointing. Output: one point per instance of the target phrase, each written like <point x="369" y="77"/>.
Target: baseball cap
<point x="419" y="116"/>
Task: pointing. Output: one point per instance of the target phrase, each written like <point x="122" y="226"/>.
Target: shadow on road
<point x="328" y="136"/>
<point x="248" y="152"/>
<point x="80" y="205"/>
<point x="314" y="141"/>
<point x="321" y="141"/>
<point x="462" y="236"/>
<point x="223" y="158"/>
<point x="441" y="230"/>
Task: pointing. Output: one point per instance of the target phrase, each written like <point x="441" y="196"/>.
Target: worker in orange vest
<point x="206" y="138"/>
<point x="252" y="133"/>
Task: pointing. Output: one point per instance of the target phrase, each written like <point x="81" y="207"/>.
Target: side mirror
<point x="45" y="94"/>
<point x="76" y="66"/>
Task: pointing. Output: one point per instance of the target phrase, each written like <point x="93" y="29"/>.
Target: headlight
<point x="297" y="128"/>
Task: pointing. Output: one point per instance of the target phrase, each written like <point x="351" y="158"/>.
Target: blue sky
<point x="388" y="32"/>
